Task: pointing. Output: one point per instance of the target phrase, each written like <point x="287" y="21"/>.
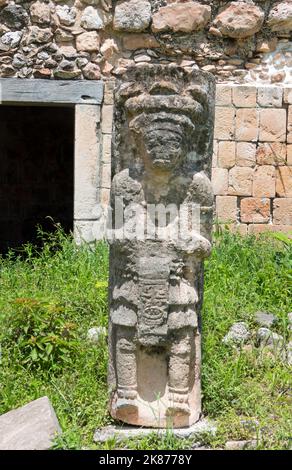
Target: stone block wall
<point x="252" y="159"/>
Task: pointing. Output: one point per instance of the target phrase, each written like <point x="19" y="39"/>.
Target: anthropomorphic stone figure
<point x="163" y="135"/>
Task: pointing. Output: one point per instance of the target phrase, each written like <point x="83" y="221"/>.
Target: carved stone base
<point x="169" y="410"/>
<point x="122" y="433"/>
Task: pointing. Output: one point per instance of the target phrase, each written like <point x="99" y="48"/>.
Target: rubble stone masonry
<point x="246" y="44"/>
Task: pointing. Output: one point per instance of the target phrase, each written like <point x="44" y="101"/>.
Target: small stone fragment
<point x="184" y="17"/>
<point x="96" y="334"/>
<point x="238" y="20"/>
<point x="66" y="14"/>
<point x="91" y="19"/>
<point x="31" y="427"/>
<point x="265" y="319"/>
<point x="238" y="334"/>
<point x="265" y="337"/>
<point x="132" y="15"/>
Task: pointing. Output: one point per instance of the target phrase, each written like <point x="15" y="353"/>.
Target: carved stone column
<point x="163" y="138"/>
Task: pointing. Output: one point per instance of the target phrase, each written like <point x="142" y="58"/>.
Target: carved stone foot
<point x="179" y="404"/>
<point x="126" y="410"/>
<point x="126" y="407"/>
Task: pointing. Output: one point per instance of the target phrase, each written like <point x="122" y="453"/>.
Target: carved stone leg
<point x="179" y="373"/>
<point x="126" y="367"/>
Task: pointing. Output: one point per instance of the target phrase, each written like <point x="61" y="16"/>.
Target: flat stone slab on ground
<point x="121" y="433"/>
<point x="31" y="427"/>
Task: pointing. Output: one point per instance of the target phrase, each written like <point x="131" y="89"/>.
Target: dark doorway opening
<point x="36" y="172"/>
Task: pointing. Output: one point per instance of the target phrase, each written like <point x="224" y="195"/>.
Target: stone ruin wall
<point x="245" y="44"/>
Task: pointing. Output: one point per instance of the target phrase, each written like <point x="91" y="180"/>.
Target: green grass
<point x="248" y="394"/>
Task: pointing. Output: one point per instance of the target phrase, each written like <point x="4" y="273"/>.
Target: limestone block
<point x="288" y="95"/>
<point x="282" y="211"/>
<point x="271" y="153"/>
<point x="40" y="13"/>
<point x="31" y="427"/>
<point x="246" y="128"/>
<point x="289" y="155"/>
<point x="88" y="42"/>
<point x="106" y="148"/>
<point x="244" y="96"/>
<point x="240" y="181"/>
<point x="238" y="20"/>
<point x="255" y="210"/>
<point x="226" y="154"/>
<point x="264" y="181"/>
<point x="223" y="95"/>
<point x="289" y="125"/>
<point x="245" y="154"/>
<point x="270" y="96"/>
<point x="186" y="17"/>
<point x="254" y="229"/>
<point x="220" y="181"/>
<point x="224" y="123"/>
<point x="87" y="144"/>
<point x="284" y="181"/>
<point x="272" y="125"/>
<point x="280" y="17"/>
<point x="107" y="119"/>
<point x="91" y="19"/>
<point x="226" y="208"/>
<point x="140" y="41"/>
<point x="132" y="15"/>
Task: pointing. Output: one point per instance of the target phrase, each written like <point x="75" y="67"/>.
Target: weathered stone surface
<point x="132" y="15"/>
<point x="246" y="128"/>
<point x="270" y="97"/>
<point x="241" y="445"/>
<point x="220" y="181"/>
<point x="226" y="208"/>
<point x="96" y="334"/>
<point x="265" y="337"/>
<point x="226" y="154"/>
<point x="238" y="20"/>
<point x="66" y="14"/>
<point x="245" y="154"/>
<point x="39" y="35"/>
<point x="264" y="181"/>
<point x="223" y="95"/>
<point x="181" y="17"/>
<point x="237" y="334"/>
<point x="140" y="41"/>
<point x="265" y="319"/>
<point x="91" y="71"/>
<point x="40" y="13"/>
<point x="255" y="210"/>
<point x="244" y="96"/>
<point x="240" y="181"/>
<point x="91" y="19"/>
<point x="224" y="123"/>
<point x="272" y="125"/>
<point x="271" y="153"/>
<point x="31" y="427"/>
<point x="88" y="42"/>
<point x="284" y="181"/>
<point x="280" y="17"/>
<point x="14" y="16"/>
<point x="163" y="118"/>
<point x="122" y="433"/>
<point x="282" y="213"/>
<point x="10" y="40"/>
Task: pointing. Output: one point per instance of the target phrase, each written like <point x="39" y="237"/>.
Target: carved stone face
<point x="163" y="119"/>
